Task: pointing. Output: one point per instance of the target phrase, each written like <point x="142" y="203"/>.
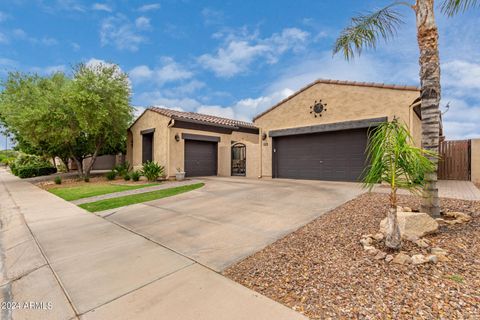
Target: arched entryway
<point x="239" y="159"/>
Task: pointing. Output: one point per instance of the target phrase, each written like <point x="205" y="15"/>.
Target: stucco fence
<point x="475" y="160"/>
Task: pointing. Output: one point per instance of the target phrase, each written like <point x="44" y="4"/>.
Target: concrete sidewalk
<point x="164" y="185"/>
<point x="82" y="266"/>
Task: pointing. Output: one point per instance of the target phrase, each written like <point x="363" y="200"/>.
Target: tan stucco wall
<point x="150" y="120"/>
<point x="344" y="103"/>
<point x="177" y="150"/>
<point x="475" y="161"/>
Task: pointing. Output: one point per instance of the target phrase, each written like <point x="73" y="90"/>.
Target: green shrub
<point x="122" y="169"/>
<point x="24" y="159"/>
<point x="86" y="179"/>
<point x="135" y="175"/>
<point x="111" y="175"/>
<point x="126" y="177"/>
<point x="58" y="180"/>
<point x="33" y="171"/>
<point x="152" y="170"/>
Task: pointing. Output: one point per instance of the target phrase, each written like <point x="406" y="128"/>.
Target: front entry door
<point x="239" y="160"/>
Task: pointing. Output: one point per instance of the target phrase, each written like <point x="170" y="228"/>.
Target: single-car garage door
<point x="334" y="156"/>
<point x="200" y="158"/>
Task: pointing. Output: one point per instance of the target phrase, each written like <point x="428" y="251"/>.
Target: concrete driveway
<point x="231" y="218"/>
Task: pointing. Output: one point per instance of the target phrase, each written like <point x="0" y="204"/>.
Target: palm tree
<point x="366" y="30"/>
<point x="397" y="162"/>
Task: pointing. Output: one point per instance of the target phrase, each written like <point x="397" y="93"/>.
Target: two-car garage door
<point x="334" y="156"/>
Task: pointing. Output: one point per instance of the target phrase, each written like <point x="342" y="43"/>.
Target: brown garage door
<point x="200" y="158"/>
<point x="334" y="156"/>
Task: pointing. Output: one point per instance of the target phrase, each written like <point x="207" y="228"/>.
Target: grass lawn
<point x="137" y="198"/>
<point x="91" y="190"/>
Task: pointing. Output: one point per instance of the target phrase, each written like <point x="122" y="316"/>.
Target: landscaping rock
<point x="438" y="251"/>
<point x="402" y="258"/>
<point x="378" y="236"/>
<point x="419" y="259"/>
<point x="459" y="216"/>
<point x="366" y="241"/>
<point x="407" y="209"/>
<point x="422" y="243"/>
<point x="380" y="255"/>
<point x="388" y="258"/>
<point x="370" y="250"/>
<point x="413" y="224"/>
<point x="432" y="258"/>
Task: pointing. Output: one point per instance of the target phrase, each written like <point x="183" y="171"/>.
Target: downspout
<point x="170" y="125"/>
<point x="261" y="154"/>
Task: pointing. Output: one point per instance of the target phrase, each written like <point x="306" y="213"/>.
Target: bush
<point x="135" y="175"/>
<point x="111" y="175"/>
<point x="58" y="180"/>
<point x="126" y="177"/>
<point x="86" y="179"/>
<point x="122" y="169"/>
<point x="33" y="171"/>
<point x="152" y="170"/>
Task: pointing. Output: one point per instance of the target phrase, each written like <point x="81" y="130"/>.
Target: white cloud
<point x="121" y="32"/>
<point x="239" y="53"/>
<point x="143" y="23"/>
<point x="3" y="38"/>
<point x="187" y="88"/>
<point x="168" y="71"/>
<point x="211" y="16"/>
<point x="75" y="46"/>
<point x="149" y="7"/>
<point x="101" y="7"/>
<point x="224" y="112"/>
<point x="461" y="75"/>
<point x="20" y="34"/>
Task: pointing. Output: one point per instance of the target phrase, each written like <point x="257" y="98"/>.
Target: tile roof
<point x="341" y="82"/>
<point x="204" y="118"/>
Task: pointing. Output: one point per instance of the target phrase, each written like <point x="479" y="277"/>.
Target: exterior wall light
<point x="177" y="137"/>
<point x="264" y="136"/>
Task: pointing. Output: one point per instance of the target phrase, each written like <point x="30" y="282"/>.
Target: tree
<point x="77" y="118"/>
<point x="366" y="30"/>
<point x="100" y="98"/>
<point x="395" y="161"/>
<point x="34" y="110"/>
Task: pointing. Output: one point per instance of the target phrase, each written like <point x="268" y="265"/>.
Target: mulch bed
<point x="322" y="271"/>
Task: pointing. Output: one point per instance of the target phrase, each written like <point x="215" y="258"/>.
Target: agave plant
<point x="396" y="161"/>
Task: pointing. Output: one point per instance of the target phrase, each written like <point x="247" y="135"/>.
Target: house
<point x="319" y="132"/>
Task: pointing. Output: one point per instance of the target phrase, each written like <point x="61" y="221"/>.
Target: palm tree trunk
<point x="393" y="238"/>
<point x="427" y="36"/>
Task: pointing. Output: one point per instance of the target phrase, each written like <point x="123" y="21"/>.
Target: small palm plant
<point x="397" y="162"/>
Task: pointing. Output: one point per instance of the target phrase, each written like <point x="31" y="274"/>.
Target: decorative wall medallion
<point x="318" y="108"/>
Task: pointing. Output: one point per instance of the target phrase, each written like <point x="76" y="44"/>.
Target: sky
<point x="234" y="58"/>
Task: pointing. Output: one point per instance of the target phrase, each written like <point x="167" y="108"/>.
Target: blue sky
<point x="233" y="58"/>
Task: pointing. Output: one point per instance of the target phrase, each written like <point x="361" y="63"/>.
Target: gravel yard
<point x="322" y="271"/>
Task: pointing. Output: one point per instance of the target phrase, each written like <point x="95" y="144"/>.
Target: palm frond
<point x="366" y="30"/>
<point x="452" y="7"/>
<point x="394" y="159"/>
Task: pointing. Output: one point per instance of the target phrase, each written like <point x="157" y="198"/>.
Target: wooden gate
<point x="454" y="161"/>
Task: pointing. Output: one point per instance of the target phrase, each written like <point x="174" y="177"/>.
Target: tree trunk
<point x="393" y="238"/>
<point x="79" y="163"/>
<point x="427" y="36"/>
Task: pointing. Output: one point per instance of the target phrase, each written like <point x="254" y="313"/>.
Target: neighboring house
<point x="319" y="132"/>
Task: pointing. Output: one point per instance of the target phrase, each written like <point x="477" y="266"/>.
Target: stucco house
<point x="319" y="132"/>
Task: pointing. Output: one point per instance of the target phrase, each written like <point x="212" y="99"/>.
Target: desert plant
<point x="396" y="161"/>
<point x="58" y="180"/>
<point x="123" y="169"/>
<point x="127" y="177"/>
<point x="135" y="175"/>
<point x="152" y="170"/>
<point x="111" y="175"/>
